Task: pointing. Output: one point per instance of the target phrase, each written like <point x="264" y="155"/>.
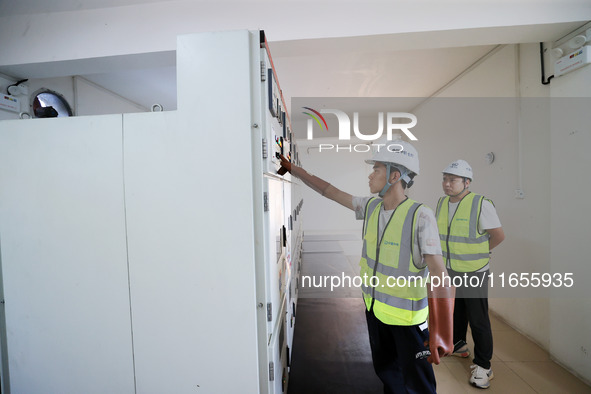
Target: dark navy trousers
<point x="400" y="357"/>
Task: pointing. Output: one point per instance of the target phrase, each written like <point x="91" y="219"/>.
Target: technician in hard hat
<point x="400" y="241"/>
<point x="469" y="229"/>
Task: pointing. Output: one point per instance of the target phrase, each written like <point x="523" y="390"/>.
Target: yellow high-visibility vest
<point x="464" y="247"/>
<point x="398" y="294"/>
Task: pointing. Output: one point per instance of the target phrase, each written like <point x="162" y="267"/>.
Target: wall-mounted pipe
<point x="519" y="191"/>
<point x="544" y="81"/>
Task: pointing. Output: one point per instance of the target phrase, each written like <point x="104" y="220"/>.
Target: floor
<point x="331" y="355"/>
<point x="331" y="350"/>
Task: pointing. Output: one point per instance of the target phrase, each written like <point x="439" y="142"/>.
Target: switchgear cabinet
<point x="155" y="252"/>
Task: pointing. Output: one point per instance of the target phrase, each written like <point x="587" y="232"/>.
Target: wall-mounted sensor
<point x="489" y="157"/>
<point x="157" y="108"/>
<point x="577" y="41"/>
<point x="18" y="90"/>
<point x="557" y="52"/>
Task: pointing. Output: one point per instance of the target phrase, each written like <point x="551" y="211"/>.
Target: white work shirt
<point x="426" y="232"/>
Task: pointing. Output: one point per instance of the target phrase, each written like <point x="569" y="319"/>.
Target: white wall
<point x="92" y="99"/>
<point x="570" y="312"/>
<point x="526" y="222"/>
<point x="346" y="171"/>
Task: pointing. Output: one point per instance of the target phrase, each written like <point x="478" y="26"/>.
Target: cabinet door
<point x="63" y="255"/>
<point x="277" y="353"/>
<point x="276" y="265"/>
<point x="192" y="274"/>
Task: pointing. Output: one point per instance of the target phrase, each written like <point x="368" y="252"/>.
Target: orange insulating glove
<point x="285" y="166"/>
<point x="441" y="316"/>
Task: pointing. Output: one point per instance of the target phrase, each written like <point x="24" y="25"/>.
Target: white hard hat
<point x="398" y="153"/>
<point x="459" y="168"/>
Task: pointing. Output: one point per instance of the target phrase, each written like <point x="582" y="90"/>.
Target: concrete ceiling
<point x="387" y="65"/>
<point x="368" y="66"/>
<point x="23" y="7"/>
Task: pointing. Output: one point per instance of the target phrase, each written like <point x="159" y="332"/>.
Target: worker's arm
<point x="497" y="235"/>
<point x="441" y="309"/>
<point x="319" y="185"/>
<point x="435" y="265"/>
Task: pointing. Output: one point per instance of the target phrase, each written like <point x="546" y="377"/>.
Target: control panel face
<point x="278" y="130"/>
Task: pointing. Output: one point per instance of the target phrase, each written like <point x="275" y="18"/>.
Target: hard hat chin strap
<point x="388" y="184"/>
<point x="403" y="177"/>
<point x="463" y="190"/>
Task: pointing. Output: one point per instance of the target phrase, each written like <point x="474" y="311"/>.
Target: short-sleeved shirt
<point x="488" y="215"/>
<point x="426" y="239"/>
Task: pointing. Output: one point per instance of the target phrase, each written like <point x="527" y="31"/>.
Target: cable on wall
<point x="14" y="84"/>
<point x="544" y="81"/>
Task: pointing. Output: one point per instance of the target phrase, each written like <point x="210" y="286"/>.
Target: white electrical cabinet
<point x="155" y="252"/>
<point x="64" y="259"/>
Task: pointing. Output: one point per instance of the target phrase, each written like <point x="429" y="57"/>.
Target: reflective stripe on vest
<point x="398" y="294"/>
<point x="464" y="247"/>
